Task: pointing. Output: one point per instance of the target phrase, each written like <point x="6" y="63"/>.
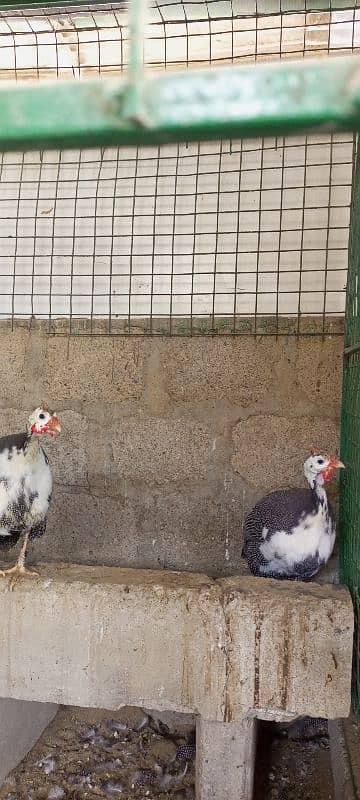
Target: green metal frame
<point x="350" y="433"/>
<point x="268" y="99"/>
<point x="312" y="96"/>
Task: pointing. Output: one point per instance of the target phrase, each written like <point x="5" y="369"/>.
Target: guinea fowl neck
<point x="32" y="445"/>
<point x="319" y="492"/>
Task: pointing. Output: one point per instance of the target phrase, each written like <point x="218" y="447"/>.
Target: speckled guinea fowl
<point x="25" y="486"/>
<point x="290" y="534"/>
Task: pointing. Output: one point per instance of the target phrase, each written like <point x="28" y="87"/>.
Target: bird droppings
<point x="87" y="754"/>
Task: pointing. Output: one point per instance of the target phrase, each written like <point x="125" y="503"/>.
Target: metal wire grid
<point x="75" y="43"/>
<point x="232" y="237"/>
<point x="236" y="239"/>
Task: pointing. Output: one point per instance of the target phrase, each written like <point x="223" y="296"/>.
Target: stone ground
<point x="85" y="754"/>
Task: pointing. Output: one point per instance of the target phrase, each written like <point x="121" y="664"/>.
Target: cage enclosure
<point x="173" y="265"/>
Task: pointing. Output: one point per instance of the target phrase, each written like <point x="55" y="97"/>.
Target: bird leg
<point x="19" y="569"/>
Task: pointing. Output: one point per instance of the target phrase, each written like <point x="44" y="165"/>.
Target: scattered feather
<point x="47" y="764"/>
<point x="92" y="736"/>
<point x="112" y="788"/>
<point x="89" y="734"/>
<point x="145" y="777"/>
<point x="114" y="725"/>
<point x="169" y="780"/>
<point x="186" y="752"/>
<point x="80" y="779"/>
<point x="144" y="722"/>
<point x="56" y="793"/>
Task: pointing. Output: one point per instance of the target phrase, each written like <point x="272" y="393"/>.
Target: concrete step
<point x="228" y="651"/>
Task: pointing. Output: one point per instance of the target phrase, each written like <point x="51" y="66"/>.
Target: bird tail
<point x="7" y="542"/>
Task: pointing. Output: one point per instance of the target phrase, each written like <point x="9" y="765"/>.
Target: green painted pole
<point x="263" y="100"/>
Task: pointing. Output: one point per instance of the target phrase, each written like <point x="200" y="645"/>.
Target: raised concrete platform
<point x="227" y="651"/>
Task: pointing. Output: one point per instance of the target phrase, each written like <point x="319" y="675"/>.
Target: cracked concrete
<point x="167" y="443"/>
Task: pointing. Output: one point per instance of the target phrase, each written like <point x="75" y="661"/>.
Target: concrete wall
<point x="166" y="443"/>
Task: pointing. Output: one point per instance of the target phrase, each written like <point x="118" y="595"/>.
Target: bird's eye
<point x="320" y="460"/>
<point x="41" y="416"/>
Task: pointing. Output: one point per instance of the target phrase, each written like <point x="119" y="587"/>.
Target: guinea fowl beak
<point x="54" y="425"/>
<point x="336" y="463"/>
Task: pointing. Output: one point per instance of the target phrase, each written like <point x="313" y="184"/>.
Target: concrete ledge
<point x="289" y="648"/>
<point x="107" y="637"/>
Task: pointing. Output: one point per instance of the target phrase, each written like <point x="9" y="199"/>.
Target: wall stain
<point x="258" y="623"/>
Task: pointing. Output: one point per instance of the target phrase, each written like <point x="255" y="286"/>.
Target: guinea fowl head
<point x="43" y="421"/>
<point x="319" y="468"/>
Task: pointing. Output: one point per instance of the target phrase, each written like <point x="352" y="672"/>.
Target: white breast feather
<point x="35" y="473"/>
<point x="307" y="538"/>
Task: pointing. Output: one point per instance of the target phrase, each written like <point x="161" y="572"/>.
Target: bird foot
<point x="17" y="572"/>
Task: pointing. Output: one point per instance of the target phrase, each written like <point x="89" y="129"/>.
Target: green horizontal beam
<point x="264" y="100"/>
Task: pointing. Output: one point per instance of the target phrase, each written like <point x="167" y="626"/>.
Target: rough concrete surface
<point x="21" y="724"/>
<point x="298" y="639"/>
<point x="264" y="438"/>
<point x="225" y="759"/>
<point x="167" y="443"/>
<point x="114" y="637"/>
<point x="177" y="641"/>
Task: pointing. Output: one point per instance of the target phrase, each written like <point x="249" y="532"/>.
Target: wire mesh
<point x="228" y="237"/>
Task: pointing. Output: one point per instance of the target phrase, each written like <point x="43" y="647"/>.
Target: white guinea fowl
<point x="25" y="486"/>
<point x="290" y="534"/>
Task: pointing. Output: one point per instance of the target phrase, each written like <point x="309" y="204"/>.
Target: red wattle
<point x="328" y="473"/>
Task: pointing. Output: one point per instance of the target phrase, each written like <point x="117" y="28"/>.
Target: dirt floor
<point x="88" y="754"/>
<point x="292" y="770"/>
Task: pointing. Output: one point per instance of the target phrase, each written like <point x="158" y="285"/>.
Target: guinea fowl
<point x="25" y="487"/>
<point x="290" y="534"/>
